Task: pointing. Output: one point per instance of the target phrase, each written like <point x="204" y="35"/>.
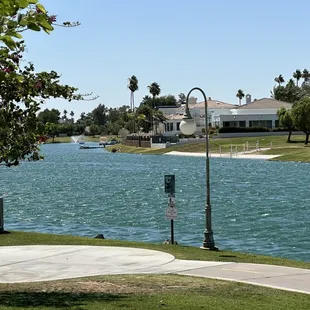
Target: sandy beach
<point x="240" y="155"/>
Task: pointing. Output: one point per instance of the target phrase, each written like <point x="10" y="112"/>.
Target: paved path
<point x="44" y="263"/>
<point x="239" y="155"/>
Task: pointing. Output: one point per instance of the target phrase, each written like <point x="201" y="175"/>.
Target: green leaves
<point x="2" y="76"/>
<point x="41" y="8"/>
<point x="22" y="90"/>
<point x="34" y="27"/>
<point x="8" y="41"/>
<point x="22" y="3"/>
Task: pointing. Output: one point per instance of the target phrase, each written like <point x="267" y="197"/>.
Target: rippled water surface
<point x="257" y="206"/>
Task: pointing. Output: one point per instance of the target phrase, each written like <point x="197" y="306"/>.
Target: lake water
<point x="257" y="206"/>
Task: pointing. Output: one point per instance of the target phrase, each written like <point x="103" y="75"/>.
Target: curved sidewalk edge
<point x="278" y="277"/>
<point x="47" y="263"/>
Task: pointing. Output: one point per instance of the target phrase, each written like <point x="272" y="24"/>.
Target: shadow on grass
<point x="54" y="299"/>
<point x="297" y="141"/>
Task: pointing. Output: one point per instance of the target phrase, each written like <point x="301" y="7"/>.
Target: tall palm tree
<point x="154" y="90"/>
<point x="72" y="114"/>
<point x="279" y="79"/>
<point x="306" y="75"/>
<point x="297" y="75"/>
<point x="240" y="95"/>
<point x="133" y="86"/>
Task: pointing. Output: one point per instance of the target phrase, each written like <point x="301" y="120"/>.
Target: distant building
<point x="257" y="113"/>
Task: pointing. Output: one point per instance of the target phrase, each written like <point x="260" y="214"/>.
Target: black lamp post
<point x="188" y="127"/>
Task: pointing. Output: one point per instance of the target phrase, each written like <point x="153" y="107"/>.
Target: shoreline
<point x="225" y="155"/>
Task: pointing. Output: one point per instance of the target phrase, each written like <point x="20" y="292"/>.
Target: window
<point x="265" y="123"/>
<point x="171" y="126"/>
<point x="178" y="126"/>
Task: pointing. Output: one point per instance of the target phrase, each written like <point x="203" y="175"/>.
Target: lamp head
<point x="188" y="126"/>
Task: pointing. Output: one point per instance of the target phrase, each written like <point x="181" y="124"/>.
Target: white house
<point x="175" y="115"/>
<point x="257" y="113"/>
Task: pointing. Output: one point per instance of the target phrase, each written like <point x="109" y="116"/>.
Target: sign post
<point x="171" y="211"/>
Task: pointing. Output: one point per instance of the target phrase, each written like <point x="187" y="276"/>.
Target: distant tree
<point x="145" y="114"/>
<point x="154" y="90"/>
<point x="99" y="115"/>
<point x="286" y="121"/>
<point x="65" y="114"/>
<point x="169" y="100"/>
<point x="301" y="116"/>
<point x="306" y="76"/>
<point x="94" y="129"/>
<point x="182" y="98"/>
<point x="240" y="95"/>
<point x="289" y="93"/>
<point x="72" y="116"/>
<point x="297" y="75"/>
<point x="158" y="117"/>
<point x="51" y="129"/>
<point x="279" y="79"/>
<point x="133" y="86"/>
<point x="49" y="116"/>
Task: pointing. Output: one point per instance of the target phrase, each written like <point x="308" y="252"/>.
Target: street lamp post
<point x="188" y="127"/>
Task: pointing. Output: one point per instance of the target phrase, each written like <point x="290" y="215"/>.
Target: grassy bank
<point x="146" y="291"/>
<point x="294" y="151"/>
<point x="142" y="292"/>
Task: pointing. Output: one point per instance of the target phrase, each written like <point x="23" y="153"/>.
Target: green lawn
<point x="142" y="292"/>
<point x="146" y="291"/>
<point x="294" y="151"/>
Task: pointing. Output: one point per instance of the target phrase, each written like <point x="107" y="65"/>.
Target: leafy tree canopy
<point x="169" y="100"/>
<point x="49" y="116"/>
<point x="22" y="90"/>
<point x="301" y="116"/>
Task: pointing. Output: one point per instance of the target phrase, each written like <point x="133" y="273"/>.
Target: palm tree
<point x="306" y="75"/>
<point x="279" y="79"/>
<point x="240" y="95"/>
<point x="72" y="114"/>
<point x="154" y="90"/>
<point x="65" y="114"/>
<point x="297" y="75"/>
<point x="133" y="86"/>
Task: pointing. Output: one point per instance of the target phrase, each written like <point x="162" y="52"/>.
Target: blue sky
<point x="220" y="46"/>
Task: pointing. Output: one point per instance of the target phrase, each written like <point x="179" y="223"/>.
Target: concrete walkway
<point x="45" y="263"/>
<point x="239" y="155"/>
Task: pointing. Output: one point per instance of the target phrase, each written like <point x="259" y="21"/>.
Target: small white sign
<point x="171" y="213"/>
